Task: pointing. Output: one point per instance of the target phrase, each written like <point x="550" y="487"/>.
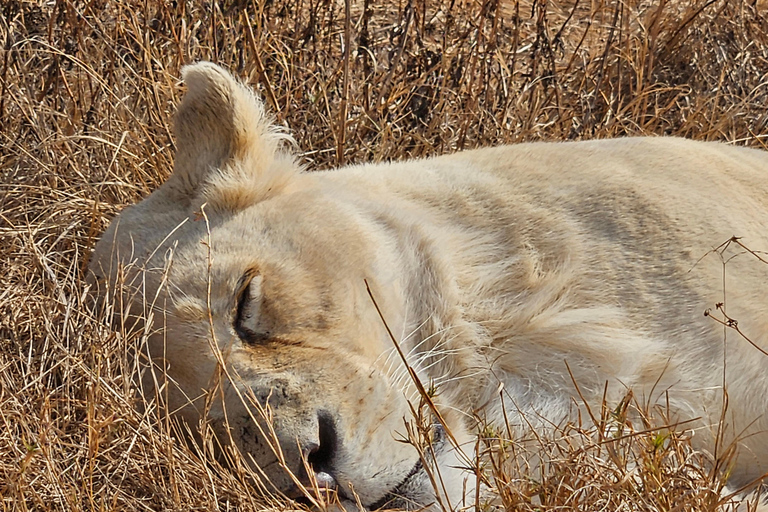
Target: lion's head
<point x="254" y="275"/>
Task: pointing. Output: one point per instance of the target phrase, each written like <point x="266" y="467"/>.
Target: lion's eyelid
<point x="248" y="305"/>
<point x="253" y="302"/>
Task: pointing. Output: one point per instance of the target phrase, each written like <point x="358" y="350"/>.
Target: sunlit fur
<point x="494" y="267"/>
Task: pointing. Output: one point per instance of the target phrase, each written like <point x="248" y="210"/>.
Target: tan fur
<point x="494" y="266"/>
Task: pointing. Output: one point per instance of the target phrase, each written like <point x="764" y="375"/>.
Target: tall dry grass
<point x="87" y="90"/>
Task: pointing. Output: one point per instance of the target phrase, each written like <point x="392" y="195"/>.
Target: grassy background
<point x="87" y="91"/>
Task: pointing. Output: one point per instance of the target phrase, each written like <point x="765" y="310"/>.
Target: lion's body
<point x="597" y="254"/>
<point x="523" y="268"/>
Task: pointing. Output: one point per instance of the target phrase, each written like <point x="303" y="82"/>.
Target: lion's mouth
<point x="407" y="495"/>
<point x="395" y="498"/>
<point x="398" y="494"/>
<point x="399" y="497"/>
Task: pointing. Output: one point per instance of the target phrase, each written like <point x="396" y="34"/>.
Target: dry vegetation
<point x="87" y="91"/>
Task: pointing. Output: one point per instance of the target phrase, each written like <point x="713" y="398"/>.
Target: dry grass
<point x="87" y="89"/>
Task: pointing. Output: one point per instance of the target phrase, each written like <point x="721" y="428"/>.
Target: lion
<point x="562" y="274"/>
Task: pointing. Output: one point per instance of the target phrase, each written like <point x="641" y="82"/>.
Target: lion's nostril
<point x="309" y="449"/>
<point x="321" y="458"/>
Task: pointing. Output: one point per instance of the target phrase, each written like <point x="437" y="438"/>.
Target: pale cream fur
<point x="493" y="267"/>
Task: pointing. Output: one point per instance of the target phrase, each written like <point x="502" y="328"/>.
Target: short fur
<point x="493" y="266"/>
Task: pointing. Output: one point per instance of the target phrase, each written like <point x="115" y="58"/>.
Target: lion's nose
<point x="321" y="456"/>
<point x="319" y="453"/>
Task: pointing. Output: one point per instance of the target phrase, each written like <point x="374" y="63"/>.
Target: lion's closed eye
<point x="247" y="315"/>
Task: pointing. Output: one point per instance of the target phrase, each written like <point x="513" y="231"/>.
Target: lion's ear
<point x="228" y="151"/>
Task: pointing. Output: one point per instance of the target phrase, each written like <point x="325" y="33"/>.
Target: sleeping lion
<point x="519" y="283"/>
